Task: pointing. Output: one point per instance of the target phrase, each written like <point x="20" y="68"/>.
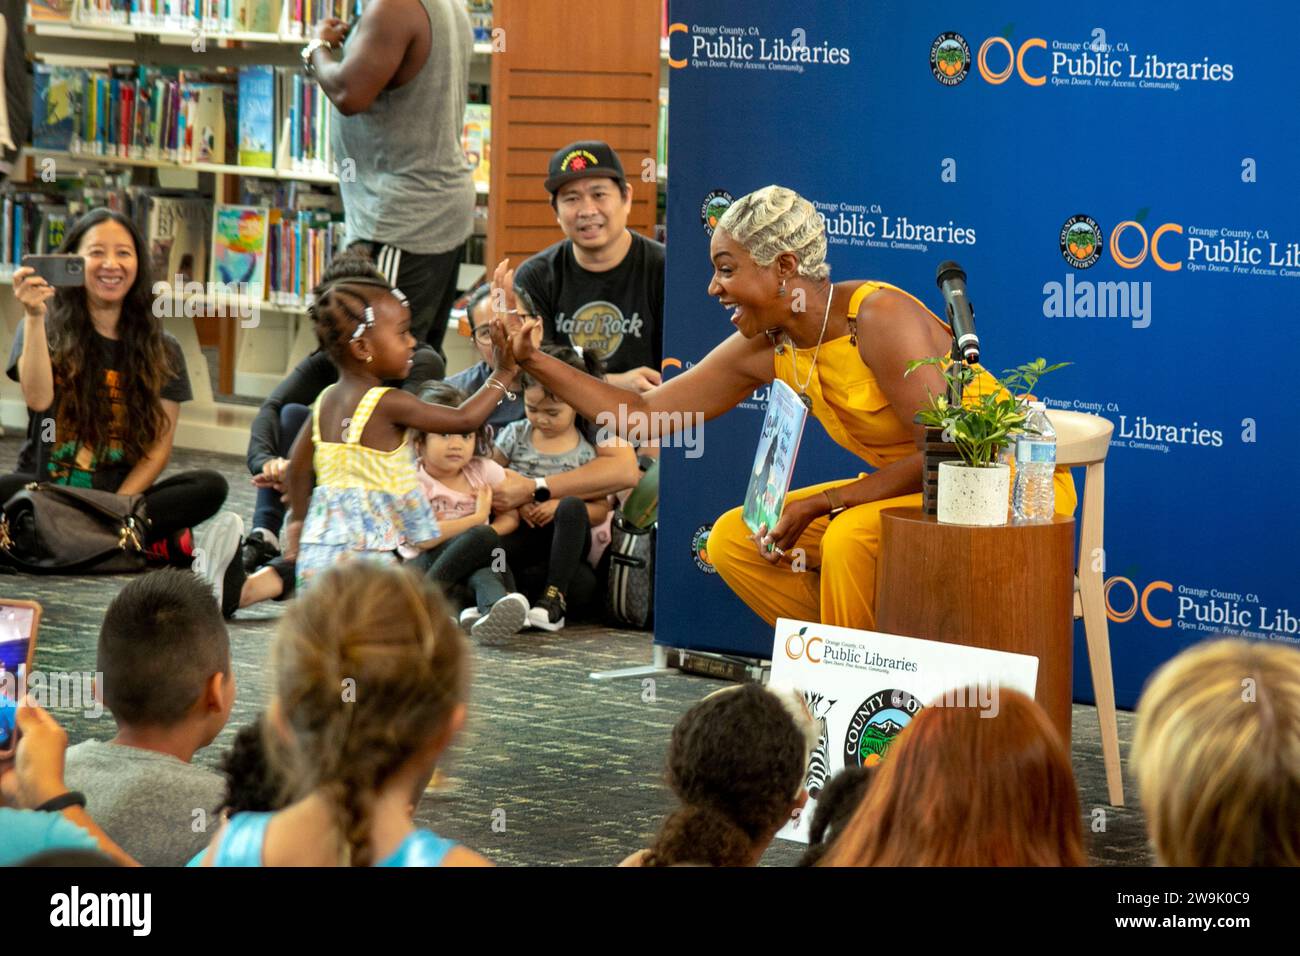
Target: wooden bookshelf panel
<point x="564" y="76"/>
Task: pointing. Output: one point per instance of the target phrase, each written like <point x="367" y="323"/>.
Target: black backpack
<point x="629" y="598"/>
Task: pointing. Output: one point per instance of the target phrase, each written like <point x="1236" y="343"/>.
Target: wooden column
<point x="569" y="71"/>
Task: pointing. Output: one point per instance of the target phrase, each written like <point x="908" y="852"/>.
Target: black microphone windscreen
<point x="948" y="270"/>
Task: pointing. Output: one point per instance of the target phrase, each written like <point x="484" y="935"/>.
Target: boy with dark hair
<point x="164" y="657"/>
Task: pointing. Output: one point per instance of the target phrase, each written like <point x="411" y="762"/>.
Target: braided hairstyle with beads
<point x="339" y="301"/>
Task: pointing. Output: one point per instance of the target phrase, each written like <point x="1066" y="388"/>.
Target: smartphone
<point x="60" y="271"/>
<point x="19" y="622"/>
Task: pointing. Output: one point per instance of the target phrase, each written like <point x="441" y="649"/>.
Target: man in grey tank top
<point x="397" y="79"/>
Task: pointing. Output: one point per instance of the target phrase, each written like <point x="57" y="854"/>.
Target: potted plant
<point x="976" y="490"/>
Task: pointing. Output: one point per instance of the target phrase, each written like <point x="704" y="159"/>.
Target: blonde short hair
<point x="773" y="220"/>
<point x="1216" y="756"/>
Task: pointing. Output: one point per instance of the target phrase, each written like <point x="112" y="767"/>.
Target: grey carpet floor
<point x="552" y="768"/>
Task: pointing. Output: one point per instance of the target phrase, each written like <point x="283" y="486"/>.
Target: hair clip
<point x="397" y="294"/>
<point x="367" y="323"/>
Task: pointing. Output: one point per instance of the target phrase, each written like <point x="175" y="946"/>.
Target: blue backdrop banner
<point x="1119" y="184"/>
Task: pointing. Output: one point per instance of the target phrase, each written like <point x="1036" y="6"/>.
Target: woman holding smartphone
<point x="104" y="383"/>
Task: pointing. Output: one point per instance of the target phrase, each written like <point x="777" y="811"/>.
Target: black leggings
<point x="173" y="504"/>
<point x="468" y="559"/>
<point x="561" y="545"/>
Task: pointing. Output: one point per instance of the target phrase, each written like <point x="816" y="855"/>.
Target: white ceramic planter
<point x="973" y="495"/>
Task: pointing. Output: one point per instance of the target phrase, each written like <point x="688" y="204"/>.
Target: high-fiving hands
<point x="515" y="334"/>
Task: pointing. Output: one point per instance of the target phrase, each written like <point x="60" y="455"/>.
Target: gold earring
<point x="369" y="359"/>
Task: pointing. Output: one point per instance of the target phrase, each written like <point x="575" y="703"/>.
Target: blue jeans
<point x="268" y="512"/>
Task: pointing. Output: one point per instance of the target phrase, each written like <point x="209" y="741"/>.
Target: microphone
<point x="951" y="278"/>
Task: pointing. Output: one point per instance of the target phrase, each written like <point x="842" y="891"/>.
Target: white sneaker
<point x="469" y="616"/>
<point x="506" y="618"/>
<point x="215" y="553"/>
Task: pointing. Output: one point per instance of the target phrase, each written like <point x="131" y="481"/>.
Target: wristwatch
<point x="541" y="490"/>
<point x="836" y="504"/>
<point x="312" y="46"/>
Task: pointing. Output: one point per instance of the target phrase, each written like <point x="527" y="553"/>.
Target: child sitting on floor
<point x="458" y="482"/>
<point x="165" y="659"/>
<point x="736" y="762"/>
<point x="371" y="679"/>
<point x="547" y="442"/>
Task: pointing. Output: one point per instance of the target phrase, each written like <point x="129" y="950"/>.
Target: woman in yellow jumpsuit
<point x="844" y="348"/>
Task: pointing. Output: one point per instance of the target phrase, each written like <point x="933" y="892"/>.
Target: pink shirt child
<point x="448" y="503"/>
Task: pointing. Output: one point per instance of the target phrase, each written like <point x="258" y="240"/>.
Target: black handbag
<point x="57" y="529"/>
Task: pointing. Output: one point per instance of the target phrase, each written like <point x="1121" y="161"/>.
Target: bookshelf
<point x="250" y="364"/>
<point x="220" y="169"/>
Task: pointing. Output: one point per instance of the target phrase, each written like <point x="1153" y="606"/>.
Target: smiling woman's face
<point x="741" y="285"/>
<point x="111" y="263"/>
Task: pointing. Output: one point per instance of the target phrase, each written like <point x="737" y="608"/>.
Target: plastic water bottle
<point x="1034" y="497"/>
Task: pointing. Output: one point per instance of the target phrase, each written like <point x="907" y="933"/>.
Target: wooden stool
<point x="1007" y="588"/>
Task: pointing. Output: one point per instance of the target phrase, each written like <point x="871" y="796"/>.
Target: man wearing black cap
<point x="602" y="287"/>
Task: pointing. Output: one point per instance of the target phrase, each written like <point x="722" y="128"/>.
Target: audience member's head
<point x="590" y="194"/>
<point x="449" y="451"/>
<point x="371" y="679"/>
<point x="165" y="657"/>
<point x="836" y="805"/>
<point x="736" y="762"/>
<point x="1217" y="756"/>
<point x="354" y="299"/>
<point x="477" y="323"/>
<point x="959" y="788"/>
<point x="251" y="783"/>
<point x="546" y="411"/>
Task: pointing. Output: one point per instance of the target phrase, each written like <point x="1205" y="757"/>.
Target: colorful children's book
<point x="257" y="116"/>
<point x="239" y="247"/>
<point x="54" y="94"/>
<point x="778" y="445"/>
<point x="476" y="140"/>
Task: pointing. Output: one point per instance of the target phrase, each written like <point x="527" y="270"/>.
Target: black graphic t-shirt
<point x="617" y="314"/>
<point x="58" y="455"/>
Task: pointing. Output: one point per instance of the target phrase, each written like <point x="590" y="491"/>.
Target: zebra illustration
<point x="818" y="766"/>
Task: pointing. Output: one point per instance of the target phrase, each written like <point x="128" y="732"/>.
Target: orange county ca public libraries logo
<point x="748" y="47"/>
<point x="1212" y="611"/>
<point x="1094" y="62"/>
<point x="1239" y="250"/>
<point x="949" y="58"/>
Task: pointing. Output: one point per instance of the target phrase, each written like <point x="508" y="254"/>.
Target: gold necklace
<point x="803" y="387"/>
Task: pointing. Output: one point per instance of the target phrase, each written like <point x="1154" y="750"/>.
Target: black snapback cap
<point x="580" y="160"/>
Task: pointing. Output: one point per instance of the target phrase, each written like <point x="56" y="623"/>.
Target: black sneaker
<point x="215" y="553"/>
<point x="548" y="613"/>
<point x="257" y="551"/>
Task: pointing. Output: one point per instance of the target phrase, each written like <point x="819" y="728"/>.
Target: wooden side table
<point x="1007" y="588"/>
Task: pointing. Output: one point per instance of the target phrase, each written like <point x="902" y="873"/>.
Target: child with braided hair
<point x="352" y="476"/>
<point x="353" y="765"/>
